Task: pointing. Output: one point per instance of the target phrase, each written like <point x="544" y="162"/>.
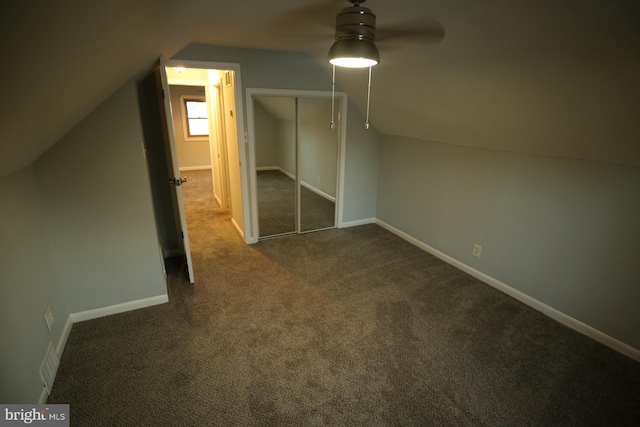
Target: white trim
<point x="185" y="82"/>
<point x="94" y="314"/>
<point x="317" y="191"/>
<point x="284" y="172"/>
<point x="43" y="396"/>
<point x="195" y="168"/>
<point x="551" y="312"/>
<point x="185" y="117"/>
<point x="303" y="183"/>
<point x="215" y="196"/>
<point x="358" y="222"/>
<point x="238" y="229"/>
<point x="118" y="308"/>
<point x="62" y="342"/>
<point x="342" y="120"/>
<point x="253" y="176"/>
<point x="276" y="168"/>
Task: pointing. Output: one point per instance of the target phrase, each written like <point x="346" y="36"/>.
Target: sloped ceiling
<point x="545" y="77"/>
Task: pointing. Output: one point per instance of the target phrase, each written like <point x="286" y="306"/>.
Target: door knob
<point x="178" y="181"/>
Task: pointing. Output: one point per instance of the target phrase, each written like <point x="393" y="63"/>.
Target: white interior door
<point x="177" y="182"/>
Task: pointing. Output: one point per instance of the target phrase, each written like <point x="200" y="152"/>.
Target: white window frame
<point x="185" y="118"/>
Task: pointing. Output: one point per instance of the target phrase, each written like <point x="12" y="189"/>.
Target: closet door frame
<point x="340" y="120"/>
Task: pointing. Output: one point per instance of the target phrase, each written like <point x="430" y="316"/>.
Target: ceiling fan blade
<point x="297" y="39"/>
<point x="423" y="31"/>
<point x="321" y="13"/>
<point x="307" y="24"/>
<point x="313" y="23"/>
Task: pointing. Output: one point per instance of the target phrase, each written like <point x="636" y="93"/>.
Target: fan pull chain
<point x="333" y="96"/>
<point x="366" y="124"/>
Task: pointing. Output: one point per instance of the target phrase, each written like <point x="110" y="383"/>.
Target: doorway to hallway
<point x="203" y="136"/>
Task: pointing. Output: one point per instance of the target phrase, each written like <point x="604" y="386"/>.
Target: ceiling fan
<point x="358" y="23"/>
<point x="356" y="35"/>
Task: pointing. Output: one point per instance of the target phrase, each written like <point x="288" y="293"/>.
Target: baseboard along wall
<point x="118" y="308"/>
<point x="365" y="221"/>
<point x="94" y="314"/>
<point x="194" y="168"/>
<point x="551" y="312"/>
<point x="303" y="183"/>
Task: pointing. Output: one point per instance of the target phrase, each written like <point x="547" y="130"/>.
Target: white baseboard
<point x="62" y="342"/>
<point x="217" y="199"/>
<point x="118" y="308"/>
<point x="318" y="191"/>
<point x="284" y="172"/>
<point x="94" y="314"/>
<point x="43" y="396"/>
<point x="357" y="223"/>
<point x="303" y="183"/>
<point x="551" y="312"/>
<point x="195" y="168"/>
<point x="238" y="229"/>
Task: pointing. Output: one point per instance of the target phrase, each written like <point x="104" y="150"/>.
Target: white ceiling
<point x="556" y="78"/>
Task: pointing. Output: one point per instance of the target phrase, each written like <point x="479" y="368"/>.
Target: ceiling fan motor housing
<point x="356" y="22"/>
<point x="354" y="45"/>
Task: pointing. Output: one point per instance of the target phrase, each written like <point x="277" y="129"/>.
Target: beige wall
<point x="192" y="153"/>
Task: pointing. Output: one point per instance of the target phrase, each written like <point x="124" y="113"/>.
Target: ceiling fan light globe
<point x="354" y="53"/>
<point x="353" y="62"/>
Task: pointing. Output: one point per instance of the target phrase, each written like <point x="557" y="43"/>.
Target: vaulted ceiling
<point x="555" y="78"/>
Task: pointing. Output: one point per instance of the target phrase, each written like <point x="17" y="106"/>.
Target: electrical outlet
<point x="477" y="249"/>
<point x="48" y="317"/>
<point x="319" y="179"/>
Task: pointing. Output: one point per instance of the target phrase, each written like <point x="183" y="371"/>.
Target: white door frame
<point x="341" y="98"/>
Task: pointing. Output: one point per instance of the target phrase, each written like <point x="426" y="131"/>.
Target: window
<point x="195" y="117"/>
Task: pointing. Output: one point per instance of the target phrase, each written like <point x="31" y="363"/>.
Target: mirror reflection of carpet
<point x="277" y="206"/>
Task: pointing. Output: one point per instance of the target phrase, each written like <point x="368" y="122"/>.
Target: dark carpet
<point x="345" y="327"/>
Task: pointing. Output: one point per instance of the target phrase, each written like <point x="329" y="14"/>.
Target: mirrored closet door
<point x="318" y="165"/>
<point x="296" y="162"/>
